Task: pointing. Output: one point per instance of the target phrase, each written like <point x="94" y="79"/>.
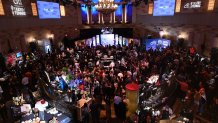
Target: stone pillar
<point x="90" y="14"/>
<point x="113" y="17"/>
<point x="123" y="13"/>
<point x="101" y="18"/>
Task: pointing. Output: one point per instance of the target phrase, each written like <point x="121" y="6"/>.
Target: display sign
<point x="190" y="5"/>
<point x="164" y="7"/>
<point x="1" y="8"/>
<point x="48" y="10"/>
<point x="17" y="8"/>
<point x="34" y="10"/>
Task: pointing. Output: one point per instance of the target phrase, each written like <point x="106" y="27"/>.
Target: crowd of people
<point x="106" y="81"/>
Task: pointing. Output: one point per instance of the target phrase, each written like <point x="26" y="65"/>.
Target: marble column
<point x="89" y="14"/>
<point x="101" y="18"/>
<point x="123" y="13"/>
<point x="113" y="17"/>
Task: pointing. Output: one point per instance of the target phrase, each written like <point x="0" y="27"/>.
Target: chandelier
<point x="106" y="6"/>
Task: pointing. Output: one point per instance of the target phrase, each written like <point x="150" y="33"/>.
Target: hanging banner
<point x="18" y="8"/>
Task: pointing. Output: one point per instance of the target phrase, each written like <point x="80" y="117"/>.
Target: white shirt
<point x="40" y="106"/>
<point x="64" y="77"/>
<point x="77" y="65"/>
<point x="123" y="61"/>
<point x="204" y="96"/>
<point x="98" y="62"/>
<point x="120" y="75"/>
<point x="25" y="81"/>
<point x="156" y="113"/>
<point x="134" y="74"/>
<point x="2" y="79"/>
<point x="129" y="73"/>
<point x="112" y="64"/>
<point x="170" y="111"/>
<point x="57" y="79"/>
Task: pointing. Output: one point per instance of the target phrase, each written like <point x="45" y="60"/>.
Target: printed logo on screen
<point x="17" y="8"/>
<point x="48" y="10"/>
<point x="164" y="7"/>
<point x="191" y="5"/>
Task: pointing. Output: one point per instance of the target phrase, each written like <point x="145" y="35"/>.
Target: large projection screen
<point x="164" y="7"/>
<point x="48" y="10"/>
<point x="107" y="39"/>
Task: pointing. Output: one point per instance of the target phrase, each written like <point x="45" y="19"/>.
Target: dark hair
<point x="85" y="105"/>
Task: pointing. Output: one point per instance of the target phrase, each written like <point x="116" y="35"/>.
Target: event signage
<point x="17" y="8"/>
<point x="191" y="5"/>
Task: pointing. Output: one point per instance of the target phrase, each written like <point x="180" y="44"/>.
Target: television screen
<point x="18" y="55"/>
<point x="48" y="10"/>
<point x="164" y="7"/>
<point x="158" y="44"/>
